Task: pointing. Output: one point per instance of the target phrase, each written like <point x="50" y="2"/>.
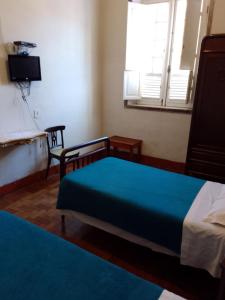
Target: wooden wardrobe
<point x="206" y="149"/>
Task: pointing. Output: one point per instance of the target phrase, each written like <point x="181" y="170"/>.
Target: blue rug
<point x="36" y="265"/>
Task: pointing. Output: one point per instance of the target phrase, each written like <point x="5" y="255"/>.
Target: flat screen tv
<point x="24" y="68"/>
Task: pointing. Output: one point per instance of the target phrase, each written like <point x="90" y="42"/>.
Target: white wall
<point x="218" y="24"/>
<point x="67" y="34"/>
<point x="164" y="134"/>
<point x="73" y="85"/>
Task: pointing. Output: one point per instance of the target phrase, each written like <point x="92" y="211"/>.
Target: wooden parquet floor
<point x="36" y="203"/>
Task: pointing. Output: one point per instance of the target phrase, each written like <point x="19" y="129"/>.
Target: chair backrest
<point x="55" y="136"/>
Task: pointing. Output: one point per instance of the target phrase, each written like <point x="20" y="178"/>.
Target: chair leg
<point x="78" y="164"/>
<point x="48" y="166"/>
<point x="63" y="225"/>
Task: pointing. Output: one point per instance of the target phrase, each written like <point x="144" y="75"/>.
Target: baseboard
<point x="30" y="179"/>
<point x="39" y="176"/>
<point x="160" y="163"/>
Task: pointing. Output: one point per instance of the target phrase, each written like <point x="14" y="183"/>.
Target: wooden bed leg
<point x="63" y="225"/>
<point x="221" y="295"/>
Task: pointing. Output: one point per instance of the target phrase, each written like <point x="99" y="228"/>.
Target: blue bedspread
<point x="36" y="265"/>
<point x="145" y="201"/>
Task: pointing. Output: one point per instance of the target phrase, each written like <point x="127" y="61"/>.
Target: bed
<point x="38" y="265"/>
<point x="165" y="211"/>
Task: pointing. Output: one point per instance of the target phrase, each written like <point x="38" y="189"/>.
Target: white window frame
<point x="164" y="102"/>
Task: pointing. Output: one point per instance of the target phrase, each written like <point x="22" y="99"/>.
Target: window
<point x="161" y="52"/>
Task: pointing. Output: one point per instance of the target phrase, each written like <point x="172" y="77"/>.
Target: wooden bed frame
<point x="86" y="158"/>
<point x="98" y="153"/>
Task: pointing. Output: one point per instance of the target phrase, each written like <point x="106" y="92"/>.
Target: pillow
<point x="216" y="214"/>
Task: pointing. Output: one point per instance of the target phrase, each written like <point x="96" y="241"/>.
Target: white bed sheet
<point x="203" y="244"/>
<point x="117" y="231"/>
<point x="166" y="295"/>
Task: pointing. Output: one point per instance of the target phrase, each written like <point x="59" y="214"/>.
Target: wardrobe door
<point x="206" y="151"/>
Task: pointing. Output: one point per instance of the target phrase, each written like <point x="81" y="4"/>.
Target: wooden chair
<point x="55" y="143"/>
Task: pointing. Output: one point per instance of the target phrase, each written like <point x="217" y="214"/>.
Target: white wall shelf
<point x="20" y="138"/>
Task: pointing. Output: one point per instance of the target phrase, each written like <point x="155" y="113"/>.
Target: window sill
<point x="157" y="108"/>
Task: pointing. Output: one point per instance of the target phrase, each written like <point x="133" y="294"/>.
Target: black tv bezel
<point x="25" y="79"/>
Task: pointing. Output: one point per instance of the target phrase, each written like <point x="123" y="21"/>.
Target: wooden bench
<point x="133" y="146"/>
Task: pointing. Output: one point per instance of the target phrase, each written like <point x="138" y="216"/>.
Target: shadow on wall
<point x="35" y="154"/>
<point x="5" y="49"/>
<point x="4" y="154"/>
<point x="3" y="71"/>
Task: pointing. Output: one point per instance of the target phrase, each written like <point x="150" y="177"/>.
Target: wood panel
<point x="206" y="150"/>
<point x="36" y="177"/>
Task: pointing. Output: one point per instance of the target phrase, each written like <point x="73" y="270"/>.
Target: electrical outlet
<point x="36" y="114"/>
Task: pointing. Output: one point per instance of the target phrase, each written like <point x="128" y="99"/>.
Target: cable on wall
<point x="31" y="116"/>
<point x="23" y="69"/>
<point x="24" y="88"/>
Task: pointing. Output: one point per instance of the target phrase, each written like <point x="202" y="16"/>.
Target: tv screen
<point x="24" y="68"/>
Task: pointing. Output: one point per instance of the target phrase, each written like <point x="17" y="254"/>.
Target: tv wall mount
<point x="22" y="48"/>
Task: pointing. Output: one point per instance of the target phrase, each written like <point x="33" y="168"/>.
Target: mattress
<point x="145" y="201"/>
<point x="38" y="265"/>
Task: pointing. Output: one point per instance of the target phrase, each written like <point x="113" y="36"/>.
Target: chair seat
<point x="58" y="152"/>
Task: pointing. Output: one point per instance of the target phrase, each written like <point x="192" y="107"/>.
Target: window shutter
<point x="151" y="86"/>
<point x="135" y="1"/>
<point x="191" y="32"/>
<point x="131" y="85"/>
<point x="178" y="86"/>
<point x="207" y="14"/>
<point x="179" y="89"/>
<point x="147" y="1"/>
